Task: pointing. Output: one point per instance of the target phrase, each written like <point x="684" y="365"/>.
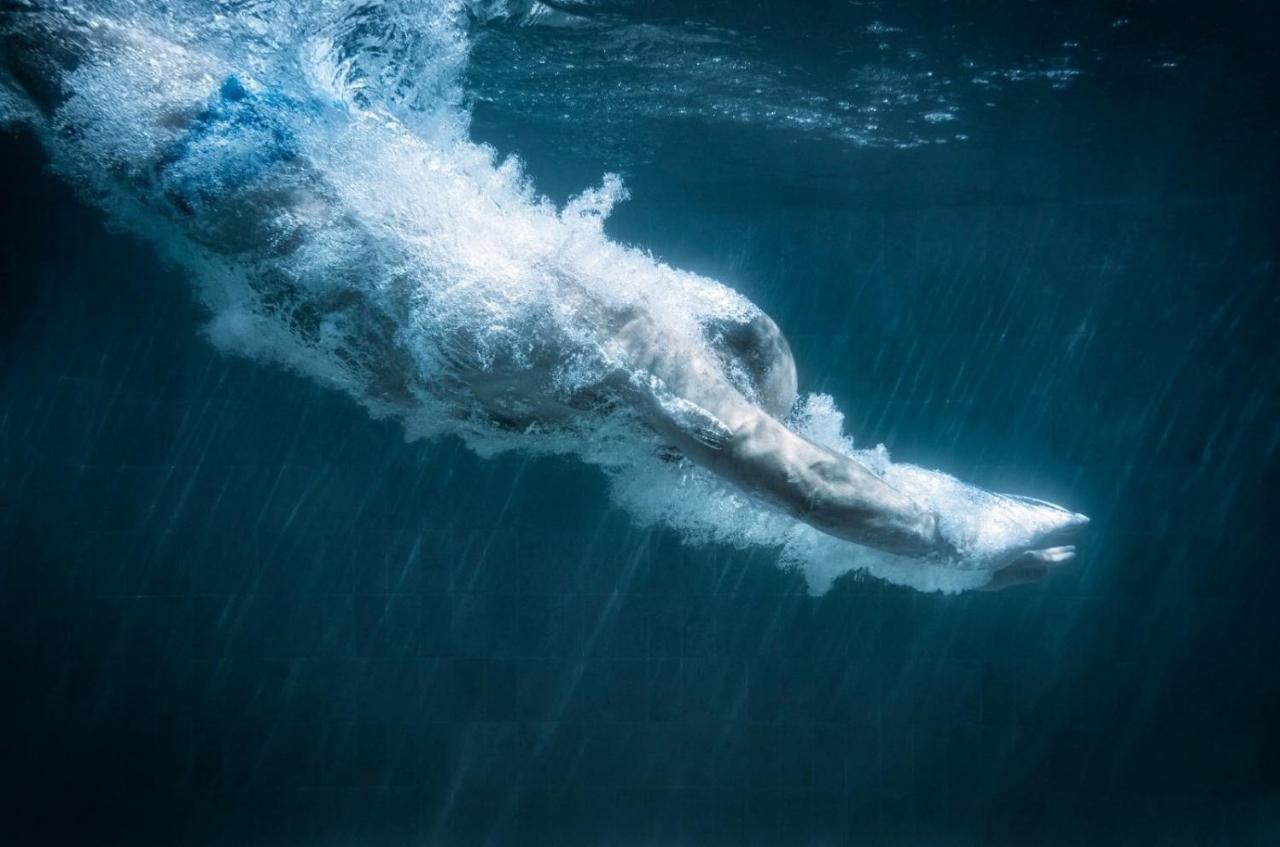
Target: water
<point x="1035" y="250"/>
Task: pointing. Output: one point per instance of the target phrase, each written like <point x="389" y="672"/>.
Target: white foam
<point x="408" y="246"/>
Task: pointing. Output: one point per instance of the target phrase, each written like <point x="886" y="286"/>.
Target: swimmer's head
<point x="758" y="360"/>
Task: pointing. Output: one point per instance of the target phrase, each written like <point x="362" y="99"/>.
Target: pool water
<point x="1033" y="247"/>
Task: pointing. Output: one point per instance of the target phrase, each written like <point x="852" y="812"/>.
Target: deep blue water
<point x="236" y="610"/>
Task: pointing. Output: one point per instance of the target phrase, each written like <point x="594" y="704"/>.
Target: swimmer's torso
<point x="240" y="183"/>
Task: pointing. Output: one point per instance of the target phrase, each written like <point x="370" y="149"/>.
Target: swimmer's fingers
<point x="1030" y="567"/>
<point x="1053" y="555"/>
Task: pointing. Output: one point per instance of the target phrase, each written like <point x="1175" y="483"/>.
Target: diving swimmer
<point x="488" y="298"/>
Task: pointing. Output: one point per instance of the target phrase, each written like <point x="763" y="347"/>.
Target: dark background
<point x="234" y="610"/>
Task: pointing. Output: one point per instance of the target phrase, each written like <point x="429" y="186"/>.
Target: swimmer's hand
<point x="1036" y="565"/>
<point x="1031" y="567"/>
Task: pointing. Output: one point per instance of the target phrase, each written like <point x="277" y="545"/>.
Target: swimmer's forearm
<point x="686" y="398"/>
<point x="830" y="492"/>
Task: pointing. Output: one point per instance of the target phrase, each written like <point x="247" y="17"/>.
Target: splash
<point x="308" y="163"/>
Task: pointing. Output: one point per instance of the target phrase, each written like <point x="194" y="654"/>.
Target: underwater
<point x="639" y="422"/>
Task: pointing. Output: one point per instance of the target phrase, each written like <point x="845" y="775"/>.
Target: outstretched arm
<point x="684" y="395"/>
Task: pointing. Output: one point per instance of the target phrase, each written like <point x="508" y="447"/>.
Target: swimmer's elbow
<point x="753" y="439"/>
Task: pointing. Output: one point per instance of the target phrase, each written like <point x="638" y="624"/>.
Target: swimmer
<point x="227" y="169"/>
